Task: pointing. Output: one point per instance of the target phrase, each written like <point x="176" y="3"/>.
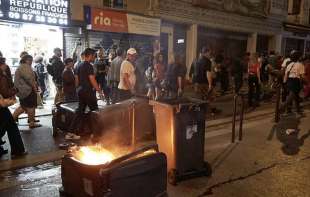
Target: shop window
<point x="294" y="7"/>
<point x="117" y="4"/>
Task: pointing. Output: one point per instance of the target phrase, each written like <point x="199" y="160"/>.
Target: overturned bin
<point x="180" y="134"/>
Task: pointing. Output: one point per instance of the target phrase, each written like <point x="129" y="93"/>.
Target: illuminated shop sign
<point x="52" y="12"/>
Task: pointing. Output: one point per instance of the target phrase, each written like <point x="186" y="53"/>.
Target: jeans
<point x="294" y="88"/>
<point x="254" y="89"/>
<point x="86" y="99"/>
<point x="103" y="83"/>
<point x="7" y="124"/>
<point x="238" y="80"/>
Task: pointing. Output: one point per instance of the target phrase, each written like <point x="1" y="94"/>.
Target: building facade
<point x="231" y="27"/>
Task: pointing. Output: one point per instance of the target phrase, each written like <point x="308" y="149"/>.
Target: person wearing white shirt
<point x="294" y="74"/>
<point x="127" y="82"/>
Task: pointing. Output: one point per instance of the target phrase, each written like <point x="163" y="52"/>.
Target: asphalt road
<point x="268" y="162"/>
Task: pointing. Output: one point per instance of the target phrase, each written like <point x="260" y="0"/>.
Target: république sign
<point x="53" y="12"/>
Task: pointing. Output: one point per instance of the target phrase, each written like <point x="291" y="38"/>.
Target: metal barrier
<point x="236" y="98"/>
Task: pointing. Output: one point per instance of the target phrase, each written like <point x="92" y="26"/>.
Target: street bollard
<point x="133" y="126"/>
<point x="241" y="117"/>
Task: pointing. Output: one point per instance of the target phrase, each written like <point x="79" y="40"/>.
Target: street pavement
<point x="268" y="162"/>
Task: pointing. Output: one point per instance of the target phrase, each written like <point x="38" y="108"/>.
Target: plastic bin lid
<point x="182" y="101"/>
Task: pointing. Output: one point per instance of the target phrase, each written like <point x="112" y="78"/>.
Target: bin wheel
<point x="173" y="177"/>
<point x="208" y="169"/>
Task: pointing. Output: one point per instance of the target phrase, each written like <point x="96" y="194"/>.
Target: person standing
<point x="127" y="82"/>
<point x="237" y="73"/>
<point x="101" y="67"/>
<point x="86" y="88"/>
<point x="68" y="80"/>
<point x="40" y="71"/>
<point x="202" y="74"/>
<point x="55" y="69"/>
<point x="254" y="80"/>
<point x="294" y="76"/>
<point x="7" y="122"/>
<point x="175" y="75"/>
<point x="114" y="75"/>
<point x="159" y="74"/>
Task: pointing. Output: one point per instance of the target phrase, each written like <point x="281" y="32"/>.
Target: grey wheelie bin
<point x="180" y="134"/>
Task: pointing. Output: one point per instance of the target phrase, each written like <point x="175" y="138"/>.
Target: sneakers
<point x="72" y="136"/>
<point x="290" y="131"/>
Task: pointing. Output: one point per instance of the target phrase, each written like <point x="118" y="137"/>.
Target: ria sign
<point x="52" y="12"/>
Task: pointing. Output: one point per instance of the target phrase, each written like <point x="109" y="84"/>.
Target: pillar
<point x="191" y="44"/>
<point x="252" y="43"/>
<point x="169" y="30"/>
<point x="275" y="43"/>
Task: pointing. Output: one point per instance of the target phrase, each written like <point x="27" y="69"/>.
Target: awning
<point x="296" y="28"/>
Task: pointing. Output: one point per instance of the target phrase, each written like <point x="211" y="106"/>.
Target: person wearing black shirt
<point x="237" y="73"/>
<point x="87" y="86"/>
<point x="68" y="81"/>
<point x="202" y="76"/>
<point x="101" y="66"/>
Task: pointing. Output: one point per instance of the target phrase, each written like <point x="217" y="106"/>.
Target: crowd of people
<point x="117" y="77"/>
<point x="262" y="71"/>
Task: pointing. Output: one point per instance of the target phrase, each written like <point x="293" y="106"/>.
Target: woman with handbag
<point x="25" y="83"/>
<point x="294" y="75"/>
<point x="7" y="123"/>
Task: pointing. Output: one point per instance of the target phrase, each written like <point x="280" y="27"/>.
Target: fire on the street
<point x="93" y="155"/>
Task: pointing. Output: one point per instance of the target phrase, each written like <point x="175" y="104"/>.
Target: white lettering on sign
<point x="42" y="11"/>
<point x="101" y="20"/>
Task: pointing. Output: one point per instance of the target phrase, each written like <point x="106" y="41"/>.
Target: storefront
<point x="111" y="29"/>
<point x="296" y="37"/>
<point x="32" y="26"/>
<point x="233" y="27"/>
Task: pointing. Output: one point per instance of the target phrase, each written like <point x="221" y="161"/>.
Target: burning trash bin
<point x="94" y="171"/>
<point x="180" y="134"/>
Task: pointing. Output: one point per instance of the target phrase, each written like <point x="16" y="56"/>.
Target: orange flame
<point x="94" y="155"/>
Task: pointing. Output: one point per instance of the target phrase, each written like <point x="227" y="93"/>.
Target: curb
<point x="31" y="160"/>
<point x="247" y="116"/>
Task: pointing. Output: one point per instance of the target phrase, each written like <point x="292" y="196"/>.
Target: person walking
<point x="202" y="76"/>
<point x="7" y="122"/>
<point x="127" y="82"/>
<point x="86" y="89"/>
<point x="254" y="80"/>
<point x="55" y="69"/>
<point x="101" y="67"/>
<point x="25" y="82"/>
<point x="114" y="75"/>
<point x="294" y="76"/>
<point x="68" y="80"/>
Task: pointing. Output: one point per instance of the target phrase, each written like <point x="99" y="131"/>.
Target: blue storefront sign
<point x="51" y="12"/>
